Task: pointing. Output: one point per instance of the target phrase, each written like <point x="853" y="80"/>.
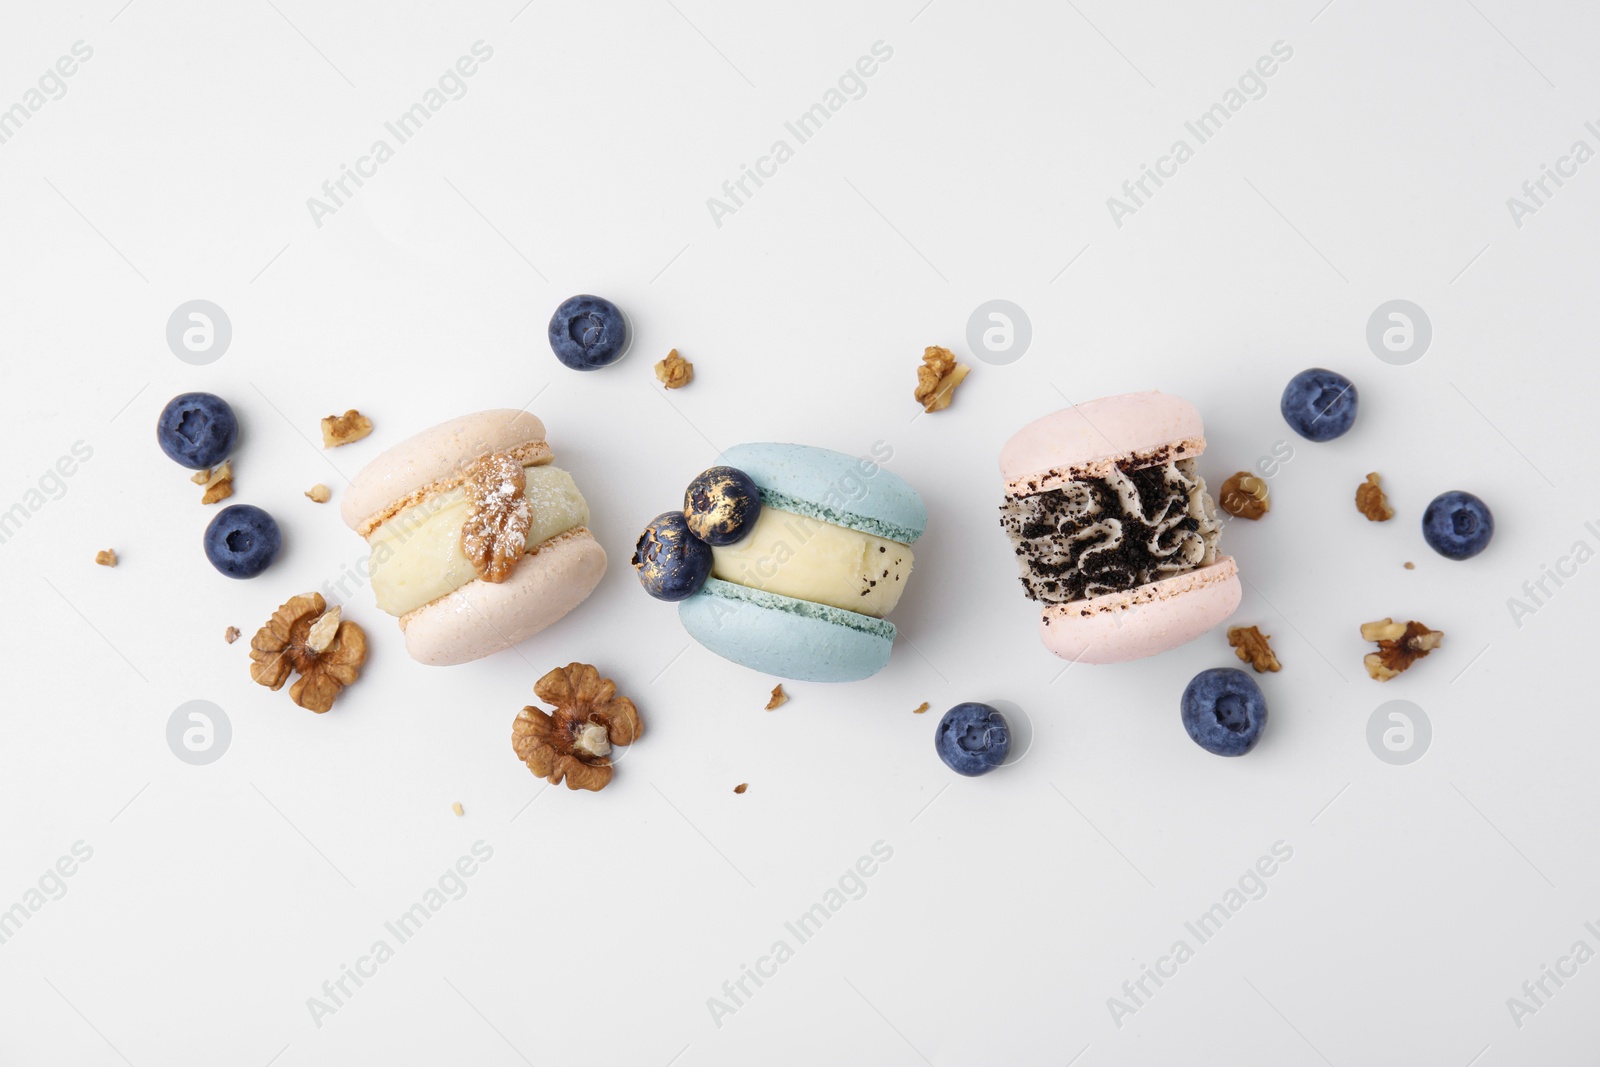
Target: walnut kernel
<point x="741" y="787"/>
<point x="779" y="698"/>
<point x="1250" y="645"/>
<point x="218" y="483"/>
<point x="231" y="634"/>
<point x="674" y="372"/>
<point x="319" y="494"/>
<point x="106" y="557"/>
<point x="1399" y="646"/>
<point x="574" y="742"/>
<point x="1371" y="501"/>
<point x="342" y="429"/>
<point x="288" y="644"/>
<point x="498" y="517"/>
<point x="1244" y="496"/>
<point x="920" y="708"/>
<point x="937" y="378"/>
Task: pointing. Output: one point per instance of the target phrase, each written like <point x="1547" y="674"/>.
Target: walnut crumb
<point x="458" y="809"/>
<point x="779" y="697"/>
<point x="342" y="429"/>
<point x="1250" y="645"/>
<point x="674" y="372"/>
<point x="218" y="483"/>
<point x="920" y="708"/>
<point x="1399" y="646"/>
<point x="319" y="494"/>
<point x="1371" y="501"/>
<point x="1244" y="496"/>
<point x="231" y="634"/>
<point x="106" y="557"/>
<point x="1410" y="566"/>
<point x="741" y="787"/>
<point x="937" y="378"/>
<point x="201" y="477"/>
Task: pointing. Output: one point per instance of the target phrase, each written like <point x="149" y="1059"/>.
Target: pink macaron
<point x="1114" y="531"/>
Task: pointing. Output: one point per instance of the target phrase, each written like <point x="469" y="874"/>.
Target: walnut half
<point x="1400" y="644"/>
<point x="574" y="742"/>
<point x="303" y="637"/>
<point x="937" y="378"/>
<point x="498" y="516"/>
<point x="1250" y="645"/>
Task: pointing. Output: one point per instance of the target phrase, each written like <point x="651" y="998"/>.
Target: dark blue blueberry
<point x="721" y="505"/>
<point x="197" y="430"/>
<point x="1319" y="405"/>
<point x="1457" y="525"/>
<point x="242" y="541"/>
<point x="1224" y="711"/>
<point x="972" y="739"/>
<point x="588" y="332"/>
<point x="672" y="562"/>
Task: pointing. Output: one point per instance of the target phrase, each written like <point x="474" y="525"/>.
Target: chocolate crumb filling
<point x="1112" y="534"/>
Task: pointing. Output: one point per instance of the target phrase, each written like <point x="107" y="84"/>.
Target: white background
<point x="976" y="166"/>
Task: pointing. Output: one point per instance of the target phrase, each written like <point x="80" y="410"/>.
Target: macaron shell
<point x="844" y="490"/>
<point x="1090" y="437"/>
<point x="432" y="456"/>
<point x="784" y="637"/>
<point x="482" y="618"/>
<point x="1142" y="622"/>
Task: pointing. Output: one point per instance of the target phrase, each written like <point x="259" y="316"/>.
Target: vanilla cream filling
<point x="805" y="558"/>
<point x="417" y="557"/>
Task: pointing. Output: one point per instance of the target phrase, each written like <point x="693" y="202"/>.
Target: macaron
<point x="803" y="590"/>
<point x="1115" y="533"/>
<point x="478" y="541"/>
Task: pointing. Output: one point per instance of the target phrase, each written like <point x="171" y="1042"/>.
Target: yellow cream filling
<point x="417" y="557"/>
<point x="805" y="558"/>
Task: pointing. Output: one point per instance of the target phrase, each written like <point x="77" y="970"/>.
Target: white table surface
<point x="975" y="164"/>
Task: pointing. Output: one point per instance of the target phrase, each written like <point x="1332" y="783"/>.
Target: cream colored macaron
<point x="478" y="541"/>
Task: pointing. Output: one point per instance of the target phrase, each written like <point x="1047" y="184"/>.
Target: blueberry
<point x="588" y="332"/>
<point x="1319" y="405"/>
<point x="1224" y="711"/>
<point x="242" y="541"/>
<point x="197" y="430"/>
<point x="721" y="505"/>
<point x="972" y="739"/>
<point x="1457" y="525"/>
<point x="672" y="562"/>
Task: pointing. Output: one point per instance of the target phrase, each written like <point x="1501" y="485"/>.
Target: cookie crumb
<point x="1371" y="501"/>
<point x="231" y="634"/>
<point x="741" y="787"/>
<point x="779" y="697"/>
<point x="458" y="809"/>
<point x="920" y="709"/>
<point x="343" y="429"/>
<point x="674" y="372"/>
<point x="106" y="557"/>
<point x="1244" y="496"/>
<point x="937" y="378"/>
<point x="319" y="494"/>
<point x="1250" y="645"/>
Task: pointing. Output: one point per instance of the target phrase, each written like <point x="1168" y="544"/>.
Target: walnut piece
<point x="218" y="483"/>
<point x="1244" y="496"/>
<point x="458" y="809"/>
<point x="574" y="741"/>
<point x="1399" y="646"/>
<point x="1371" y="501"/>
<point x="1250" y="645"/>
<point x="920" y="708"/>
<point x="674" y="372"/>
<point x="300" y="639"/>
<point x="779" y="698"/>
<point x="319" y="494"/>
<point x="106" y="557"/>
<point x="741" y="787"/>
<point x="231" y="634"/>
<point x="342" y="429"/>
<point x="937" y="378"/>
<point x="496" y="532"/>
